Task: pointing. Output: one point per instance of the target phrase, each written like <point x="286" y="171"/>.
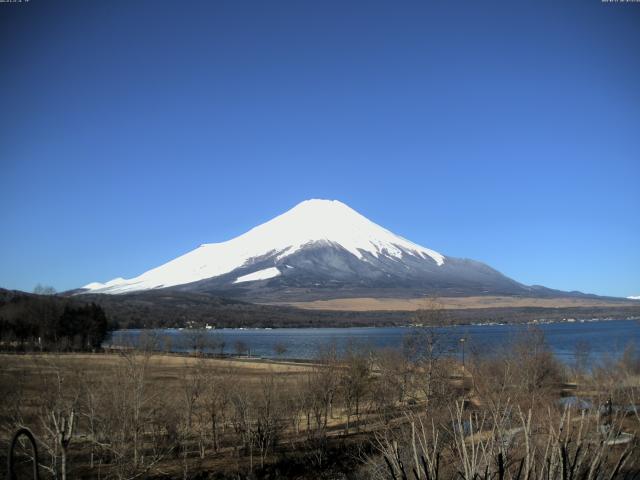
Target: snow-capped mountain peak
<point x="331" y="221"/>
<point x="312" y="222"/>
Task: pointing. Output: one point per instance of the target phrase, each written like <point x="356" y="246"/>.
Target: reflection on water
<point x="594" y="340"/>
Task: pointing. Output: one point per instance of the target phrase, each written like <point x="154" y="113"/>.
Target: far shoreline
<point x="447" y="325"/>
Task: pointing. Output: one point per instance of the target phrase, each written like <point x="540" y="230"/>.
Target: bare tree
<point x="538" y="371"/>
<point x="40" y="289"/>
<point x="390" y="382"/>
<point x="194" y="341"/>
<point x="242" y="415"/>
<point x="321" y="387"/>
<point x="241" y="348"/>
<point x="581" y="354"/>
<point x="215" y="342"/>
<point x="58" y="413"/>
<point x="280" y="349"/>
<point x="217" y="388"/>
<point x="355" y="381"/>
<point x="134" y="416"/>
<point x="269" y="414"/>
<point x="192" y="385"/>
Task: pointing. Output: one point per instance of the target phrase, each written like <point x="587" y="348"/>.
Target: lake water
<point x="605" y="339"/>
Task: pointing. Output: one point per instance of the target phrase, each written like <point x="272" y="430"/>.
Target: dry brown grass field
<point x="451" y="303"/>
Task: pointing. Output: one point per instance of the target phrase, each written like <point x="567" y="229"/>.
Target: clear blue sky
<point x="507" y="132"/>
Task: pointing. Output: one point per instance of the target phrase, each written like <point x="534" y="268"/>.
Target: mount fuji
<point x="320" y="249"/>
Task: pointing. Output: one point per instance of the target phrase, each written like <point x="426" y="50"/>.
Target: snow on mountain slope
<point x="259" y="275"/>
<point x="634" y="297"/>
<point x="308" y="223"/>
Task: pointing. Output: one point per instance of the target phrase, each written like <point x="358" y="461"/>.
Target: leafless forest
<point x="411" y="413"/>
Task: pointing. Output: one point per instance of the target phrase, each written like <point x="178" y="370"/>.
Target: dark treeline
<point x="167" y="309"/>
<point x="50" y="322"/>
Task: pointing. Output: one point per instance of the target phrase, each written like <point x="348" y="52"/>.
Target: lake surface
<point x="604" y="339"/>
